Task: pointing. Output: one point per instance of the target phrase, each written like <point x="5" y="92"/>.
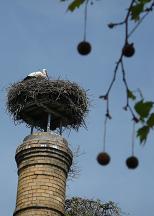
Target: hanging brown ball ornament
<point x="84" y="48"/>
<point x="128" y="50"/>
<point x="132" y="162"/>
<point x="103" y="158"/>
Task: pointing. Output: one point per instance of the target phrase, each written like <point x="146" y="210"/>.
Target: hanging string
<point x="104" y="136"/>
<point x="133" y="138"/>
<point x="85" y="20"/>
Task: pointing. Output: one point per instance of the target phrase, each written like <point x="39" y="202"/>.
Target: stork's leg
<point x="32" y="129"/>
<point x="49" y="122"/>
<point x="60" y="128"/>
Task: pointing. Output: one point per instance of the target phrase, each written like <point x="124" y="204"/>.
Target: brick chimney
<point x="43" y="161"/>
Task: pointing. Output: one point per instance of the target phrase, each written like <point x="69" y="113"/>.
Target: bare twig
<point x="127" y="89"/>
<point x="125" y="22"/>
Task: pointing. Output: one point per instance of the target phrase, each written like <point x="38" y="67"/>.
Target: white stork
<point x="39" y="74"/>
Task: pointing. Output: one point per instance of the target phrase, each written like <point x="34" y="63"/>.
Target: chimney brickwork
<point x="43" y="162"/>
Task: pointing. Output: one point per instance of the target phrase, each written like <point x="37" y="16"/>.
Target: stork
<point x="38" y="74"/>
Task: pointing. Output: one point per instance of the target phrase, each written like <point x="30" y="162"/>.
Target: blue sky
<point x="41" y="34"/>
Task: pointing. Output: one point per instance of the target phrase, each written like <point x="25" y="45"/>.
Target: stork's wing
<point x="37" y="73"/>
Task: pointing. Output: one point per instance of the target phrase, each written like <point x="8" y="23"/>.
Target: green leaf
<point x="75" y="4"/>
<point x="142" y="133"/>
<point x="138" y="8"/>
<point x="145" y="1"/>
<point x="143" y="108"/>
<point x="130" y="94"/>
<point x="150" y="121"/>
<point x="136" y="11"/>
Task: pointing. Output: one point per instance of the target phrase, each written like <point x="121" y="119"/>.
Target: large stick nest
<point x="31" y="100"/>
